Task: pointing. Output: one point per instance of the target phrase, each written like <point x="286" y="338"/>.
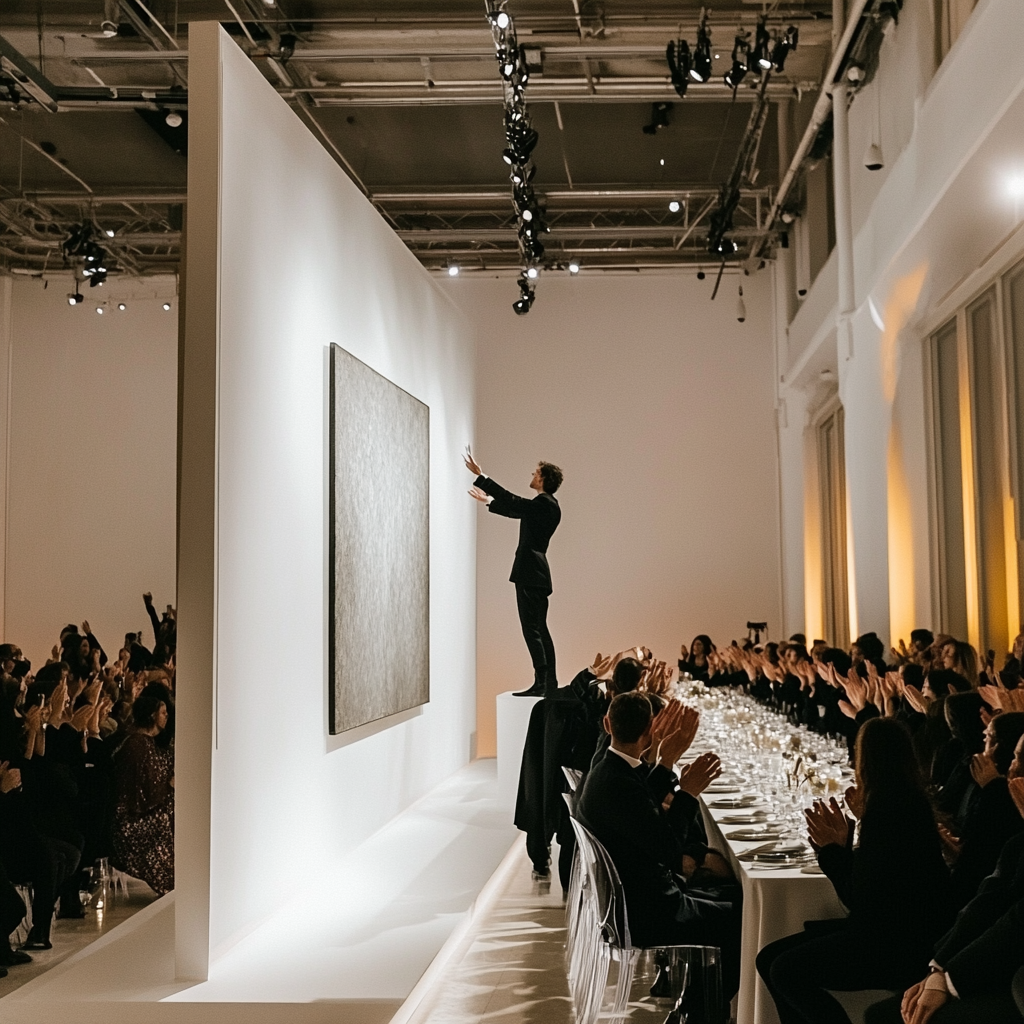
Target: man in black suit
<point x="538" y="520"/>
<point x="644" y="816"/>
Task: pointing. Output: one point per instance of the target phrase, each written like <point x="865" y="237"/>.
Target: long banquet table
<point x="785" y="767"/>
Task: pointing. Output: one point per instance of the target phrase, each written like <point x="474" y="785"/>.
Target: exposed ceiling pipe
<point x="822" y="109"/>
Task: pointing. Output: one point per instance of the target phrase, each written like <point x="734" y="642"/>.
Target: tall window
<point x="977" y="429"/>
<point x="832" y="481"/>
<point x="949" y="492"/>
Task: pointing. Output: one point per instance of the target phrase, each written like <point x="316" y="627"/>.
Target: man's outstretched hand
<point x="478" y="495"/>
<point x="471" y="464"/>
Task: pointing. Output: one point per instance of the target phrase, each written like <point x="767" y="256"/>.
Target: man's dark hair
<point x="551" y="477"/>
<point x="923" y="637"/>
<point x="626" y="676"/>
<point x="629" y="716"/>
<point x="870" y="646"/>
<point x="798" y="638"/>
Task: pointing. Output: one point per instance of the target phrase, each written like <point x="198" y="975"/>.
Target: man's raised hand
<point x="471" y="464"/>
<point x="695" y="777"/>
<point x="477" y="495"/>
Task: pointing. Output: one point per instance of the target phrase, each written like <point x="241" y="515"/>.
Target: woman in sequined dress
<point x="144" y="818"/>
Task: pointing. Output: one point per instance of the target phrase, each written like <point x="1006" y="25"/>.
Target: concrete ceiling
<point x="406" y="96"/>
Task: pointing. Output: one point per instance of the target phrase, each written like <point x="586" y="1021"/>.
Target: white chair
<point x="601" y="935"/>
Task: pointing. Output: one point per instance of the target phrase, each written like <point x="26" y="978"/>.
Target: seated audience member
<point x="868" y="648"/>
<point x="962" y="658"/>
<point x="625" y="678"/>
<point x="144" y="816"/>
<point x="990" y="818"/>
<point x="12" y="906"/>
<point x="967" y="732"/>
<point x="975" y="973"/>
<point x="639" y="811"/>
<point x="895" y="885"/>
<point x="695" y="664"/>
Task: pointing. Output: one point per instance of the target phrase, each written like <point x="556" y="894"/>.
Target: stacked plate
<point x="748" y="800"/>
<point x="778" y="853"/>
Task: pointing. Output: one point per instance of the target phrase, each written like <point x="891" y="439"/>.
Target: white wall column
<point x="6" y="297"/>
<point x="792" y="425"/>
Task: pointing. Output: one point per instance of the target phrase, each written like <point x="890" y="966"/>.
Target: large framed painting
<point x="379" y="644"/>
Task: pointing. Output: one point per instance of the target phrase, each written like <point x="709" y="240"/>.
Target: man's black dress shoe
<point x="13" y="957"/>
<point x="533" y="691"/>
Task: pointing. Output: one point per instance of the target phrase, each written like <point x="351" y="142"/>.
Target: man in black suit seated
<point x="538" y="520"/>
<point x="979" y="960"/>
<point x="645" y="818"/>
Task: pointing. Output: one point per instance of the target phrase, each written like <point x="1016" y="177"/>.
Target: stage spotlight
<point x="499" y="18"/>
<point x="574" y="267"/>
<point x="741" y="307"/>
<point x="75" y="297"/>
<point x="109" y="232"/>
<point x="527" y="214"/>
<point x="173" y="119"/>
<point x="659" y="118"/>
<point x="873" y="157"/>
<point x="453" y="270"/>
<point x="674" y="206"/>
<point x="99" y="309"/>
<point x="121" y="306"/>
<point x="679" y="63"/>
<point x="700" y="71"/>
<point x="762" y="41"/>
<point x="740" y="62"/>
<point x="784" y="45"/>
<point x="167" y="307"/>
<point x="701" y="275"/>
<point x="532" y="273"/>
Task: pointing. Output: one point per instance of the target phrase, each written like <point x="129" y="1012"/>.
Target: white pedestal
<point x="513" y="721"/>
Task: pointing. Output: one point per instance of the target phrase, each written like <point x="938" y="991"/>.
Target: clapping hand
<point x="672" y="732"/>
<point x="471" y="464"/>
<point x="827" y="825"/>
<point x="602" y="666"/>
<point x="983" y="769"/>
<point x="81" y="717"/>
<point x="695" y="777"/>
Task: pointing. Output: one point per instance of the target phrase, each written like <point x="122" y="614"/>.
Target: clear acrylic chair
<point x="573" y="776"/>
<point x="601" y="936"/>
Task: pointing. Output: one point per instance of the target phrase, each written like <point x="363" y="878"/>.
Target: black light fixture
<point x="659" y="118"/>
<point x="700" y="70"/>
<point x="520" y="141"/>
<point x="785" y="44"/>
<point x="75" y="297"/>
<point x="740" y="62"/>
<point x="761" y="55"/>
<point x="679" y="63"/>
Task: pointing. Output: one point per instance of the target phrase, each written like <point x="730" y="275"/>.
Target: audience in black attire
<point x="61" y="732"/>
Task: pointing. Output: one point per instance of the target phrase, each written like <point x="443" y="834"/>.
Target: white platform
<point x="351" y="947"/>
<point x="513" y="720"/>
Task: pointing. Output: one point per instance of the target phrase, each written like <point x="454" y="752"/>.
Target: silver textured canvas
<point x="380" y="572"/>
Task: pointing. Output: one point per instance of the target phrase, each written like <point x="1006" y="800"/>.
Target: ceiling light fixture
<point x="740" y="61"/>
<point x="574" y="267"/>
<point x="453" y="270"/>
<point x="700" y="71"/>
<point x="532" y="273"/>
<point x="785" y="43"/>
<point x="75" y="297"/>
<point x="167" y="307"/>
<point x="762" y="41"/>
<point x="173" y="119"/>
<point x="674" y="206"/>
<point x="109" y="232"/>
<point x="121" y="306"/>
<point x="679" y="63"/>
<point x="873" y="157"/>
<point x="99" y="309"/>
<point x="741" y="307"/>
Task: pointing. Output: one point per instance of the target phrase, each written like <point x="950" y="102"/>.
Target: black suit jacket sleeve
<point x="505" y="503"/>
<point x="992" y="959"/>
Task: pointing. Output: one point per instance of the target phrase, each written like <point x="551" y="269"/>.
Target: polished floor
<point x="69" y="937"/>
<point x="510" y="968"/>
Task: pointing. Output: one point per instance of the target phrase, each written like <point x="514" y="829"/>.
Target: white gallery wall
<point x="90" y="410"/>
<point x="659" y="408"/>
<point x="284" y="257"/>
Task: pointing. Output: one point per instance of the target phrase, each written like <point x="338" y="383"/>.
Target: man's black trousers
<point x="533" y="617"/>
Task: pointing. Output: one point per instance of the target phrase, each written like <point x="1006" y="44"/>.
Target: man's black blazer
<point x="985" y="947"/>
<point x="538" y="520"/>
<point x="621" y="807"/>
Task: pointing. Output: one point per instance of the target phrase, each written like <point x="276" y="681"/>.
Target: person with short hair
<point x="538" y="520"/>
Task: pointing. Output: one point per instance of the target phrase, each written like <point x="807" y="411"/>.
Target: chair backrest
<point x="573" y="777"/>
<point x="604" y="885"/>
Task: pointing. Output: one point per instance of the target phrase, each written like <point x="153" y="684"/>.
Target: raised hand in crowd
<point x="983" y="769"/>
<point x="827" y="824"/>
<point x="696" y="776"/>
<point x="602" y="665"/>
<point x="10" y="778"/>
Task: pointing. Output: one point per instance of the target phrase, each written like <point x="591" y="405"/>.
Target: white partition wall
<point x="284" y="257"/>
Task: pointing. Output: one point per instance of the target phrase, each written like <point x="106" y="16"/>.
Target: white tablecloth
<point x="775" y="904"/>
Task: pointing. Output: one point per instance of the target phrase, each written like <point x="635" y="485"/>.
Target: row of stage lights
<point x="76" y="298"/>
<point x="520" y="142"/>
<point x="768" y="53"/>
